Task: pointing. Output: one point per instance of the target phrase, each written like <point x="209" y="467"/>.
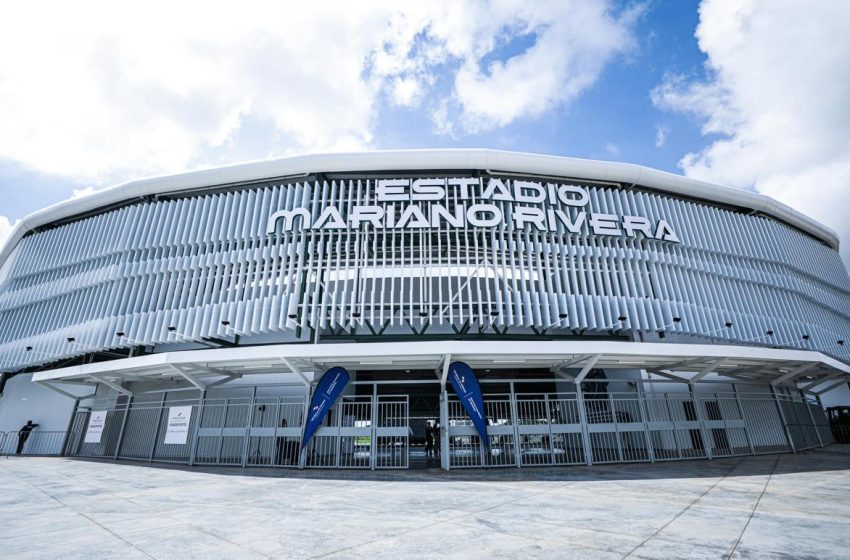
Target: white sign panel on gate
<point x="97" y="420"/>
<point x="177" y="431"/>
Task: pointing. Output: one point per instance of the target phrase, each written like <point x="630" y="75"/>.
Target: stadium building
<point x="610" y="312"/>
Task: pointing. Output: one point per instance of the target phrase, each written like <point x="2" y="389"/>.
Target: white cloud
<point x="612" y="149"/>
<point x="406" y="91"/>
<point x="777" y="95"/>
<point x="660" y="136"/>
<point x="102" y="91"/>
<point x="6" y="227"/>
<point x="101" y="88"/>
<point x="440" y="119"/>
<point x="572" y="42"/>
<point x="80" y="193"/>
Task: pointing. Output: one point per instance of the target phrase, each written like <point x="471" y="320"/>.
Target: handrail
<point x="39" y="443"/>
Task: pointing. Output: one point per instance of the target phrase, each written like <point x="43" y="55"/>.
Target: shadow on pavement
<point x="832" y="458"/>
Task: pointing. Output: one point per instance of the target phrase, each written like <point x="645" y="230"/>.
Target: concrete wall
<point x="24" y="400"/>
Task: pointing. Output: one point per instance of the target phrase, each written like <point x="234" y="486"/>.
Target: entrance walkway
<point x="765" y="506"/>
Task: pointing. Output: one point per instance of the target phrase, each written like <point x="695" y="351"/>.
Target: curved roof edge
<point x="439" y="159"/>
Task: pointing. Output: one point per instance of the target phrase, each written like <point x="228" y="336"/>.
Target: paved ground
<point x="779" y="506"/>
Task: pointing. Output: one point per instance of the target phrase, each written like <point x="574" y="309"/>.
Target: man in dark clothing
<point x="429" y="439"/>
<point x="23" y="435"/>
<point x="281" y="444"/>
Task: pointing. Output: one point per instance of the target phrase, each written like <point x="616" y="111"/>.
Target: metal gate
<point x="615" y="427"/>
<point x="549" y="429"/>
<point x="464" y="443"/>
<point x="365" y="432"/>
<point x="373" y="431"/>
<point x="392" y="432"/>
<point x="592" y="428"/>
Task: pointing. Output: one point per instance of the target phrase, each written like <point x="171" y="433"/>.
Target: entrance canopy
<point x="813" y="372"/>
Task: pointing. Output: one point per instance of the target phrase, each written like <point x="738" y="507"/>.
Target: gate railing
<point x="806" y="421"/>
<point x="39" y="443"/>
<point x="548" y="429"/>
<point x="372" y="432"/>
<point x="222" y="431"/>
<point x="219" y="431"/>
<point x="252" y="431"/>
<point x="362" y="433"/>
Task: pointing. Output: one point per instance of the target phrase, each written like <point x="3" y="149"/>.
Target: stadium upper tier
<point x="448" y="243"/>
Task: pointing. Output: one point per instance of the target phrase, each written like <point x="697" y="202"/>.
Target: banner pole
<point x="445" y="463"/>
<point x="302" y="456"/>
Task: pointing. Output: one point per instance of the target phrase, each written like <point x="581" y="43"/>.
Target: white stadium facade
<point x="611" y="313"/>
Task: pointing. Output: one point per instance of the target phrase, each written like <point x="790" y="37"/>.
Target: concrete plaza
<point x="776" y="506"/>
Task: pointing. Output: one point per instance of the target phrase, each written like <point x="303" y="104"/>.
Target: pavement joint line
<point x="58" y="501"/>
<point x="142" y="506"/>
<point x="603" y="531"/>
<point x="710" y="488"/>
<point x="36" y="534"/>
<point x="566" y="542"/>
<point x="587" y="530"/>
<point x="434" y="523"/>
<point x="740" y="494"/>
<point x="755" y="507"/>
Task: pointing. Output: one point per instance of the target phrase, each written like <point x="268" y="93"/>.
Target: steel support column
<point x="200" y="417"/>
<point x="70" y="425"/>
<point x="585" y="436"/>
<point x="616" y="422"/>
<point x="650" y="448"/>
<point x="127" y="406"/>
<point x="783" y="419"/>
<point x="744" y="419"/>
<point x="812" y="417"/>
<point x="158" y="425"/>
<point x="445" y="460"/>
<point x="515" y="422"/>
<point x="822" y="412"/>
<point x="373" y="454"/>
<point x="549" y="425"/>
<point x="706" y="442"/>
<point x="247" y="444"/>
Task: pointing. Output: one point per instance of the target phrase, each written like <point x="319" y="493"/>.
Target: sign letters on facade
<point x="462" y="202"/>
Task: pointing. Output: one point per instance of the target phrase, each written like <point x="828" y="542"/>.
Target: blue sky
<point x="614" y="119"/>
<point x="726" y="91"/>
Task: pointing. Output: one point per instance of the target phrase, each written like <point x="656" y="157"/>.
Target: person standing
<point x="23" y="435"/>
<point x="429" y="439"/>
<point x="281" y="444"/>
